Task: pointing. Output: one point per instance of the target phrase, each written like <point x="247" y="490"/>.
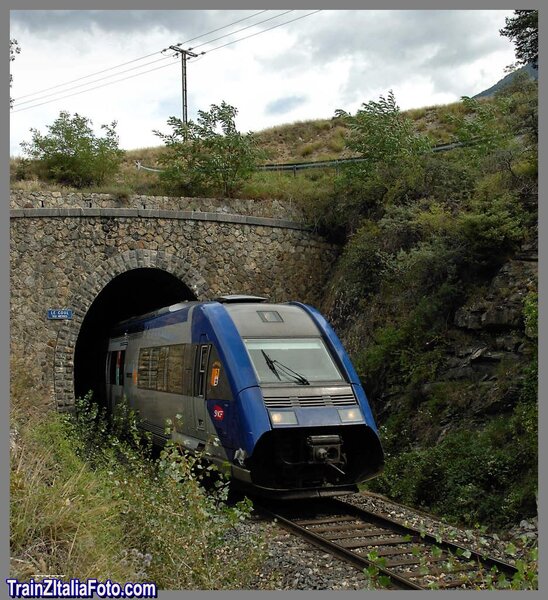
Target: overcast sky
<point x="300" y="70"/>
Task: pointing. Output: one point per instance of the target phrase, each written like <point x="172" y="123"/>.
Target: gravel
<point x="294" y="564"/>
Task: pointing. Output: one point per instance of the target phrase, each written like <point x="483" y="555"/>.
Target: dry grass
<point x="302" y="141"/>
<point x="62" y="518"/>
<point x="85" y="504"/>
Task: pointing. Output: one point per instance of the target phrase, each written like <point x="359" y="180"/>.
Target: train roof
<point x="253" y="316"/>
<point x="271" y="320"/>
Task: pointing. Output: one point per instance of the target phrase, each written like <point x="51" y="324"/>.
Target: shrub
<point x="391" y="153"/>
<point x="492" y="229"/>
<point x="209" y="155"/>
<point x="89" y="499"/>
<point x="71" y="153"/>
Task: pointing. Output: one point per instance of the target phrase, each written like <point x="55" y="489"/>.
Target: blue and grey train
<point x="265" y="388"/>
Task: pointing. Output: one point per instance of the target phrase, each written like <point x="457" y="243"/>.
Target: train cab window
<point x="217" y="385"/>
<point x="292" y="360"/>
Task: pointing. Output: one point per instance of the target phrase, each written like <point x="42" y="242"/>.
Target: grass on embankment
<point x="86" y="504"/>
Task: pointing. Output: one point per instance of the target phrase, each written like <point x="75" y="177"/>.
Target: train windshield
<point x="300" y="361"/>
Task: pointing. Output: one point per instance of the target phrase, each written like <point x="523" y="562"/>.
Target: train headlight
<point x="350" y="415"/>
<point x="286" y="417"/>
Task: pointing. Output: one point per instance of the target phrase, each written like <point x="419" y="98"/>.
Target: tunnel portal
<point x="130" y="294"/>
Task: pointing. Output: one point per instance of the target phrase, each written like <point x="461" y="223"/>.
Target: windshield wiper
<point x="291" y="373"/>
<point x="270" y="364"/>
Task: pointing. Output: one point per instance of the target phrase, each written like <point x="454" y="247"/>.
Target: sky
<point x="294" y="65"/>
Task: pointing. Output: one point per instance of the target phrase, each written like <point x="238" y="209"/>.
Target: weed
<point x="88" y="499"/>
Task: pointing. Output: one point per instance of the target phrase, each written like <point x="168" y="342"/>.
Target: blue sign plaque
<point x="59" y="313"/>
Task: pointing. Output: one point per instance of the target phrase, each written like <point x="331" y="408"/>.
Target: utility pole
<point x="184" y="54"/>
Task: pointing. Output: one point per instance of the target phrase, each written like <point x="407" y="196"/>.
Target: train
<point x="264" y="390"/>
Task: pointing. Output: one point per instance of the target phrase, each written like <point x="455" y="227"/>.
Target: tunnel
<point x="130" y="294"/>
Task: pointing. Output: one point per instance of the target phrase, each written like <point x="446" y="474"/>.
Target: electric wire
<point x="87" y="76"/>
<point x="242" y="29"/>
<point x="224" y="27"/>
<point x="17" y="100"/>
<point x="157" y="68"/>
<point x="96" y="80"/>
<point x="18" y="104"/>
<point x="262" y="31"/>
<point x="95" y="88"/>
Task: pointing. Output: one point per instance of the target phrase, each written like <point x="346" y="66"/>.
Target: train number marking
<point x="218" y="413"/>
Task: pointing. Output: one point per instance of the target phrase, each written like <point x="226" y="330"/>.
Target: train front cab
<point x="306" y="421"/>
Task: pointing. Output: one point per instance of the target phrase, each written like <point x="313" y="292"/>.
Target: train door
<point x="199" y="403"/>
<point x="115" y="377"/>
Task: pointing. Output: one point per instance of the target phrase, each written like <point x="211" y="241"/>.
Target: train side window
<point x="174" y="369"/>
<point x="217" y="385"/>
<point x="165" y="369"/>
<point x="143" y="368"/>
<point x="200" y="373"/>
<point x="162" y="369"/>
<point x="188" y="362"/>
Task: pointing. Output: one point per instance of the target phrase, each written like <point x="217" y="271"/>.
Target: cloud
<point x="302" y="70"/>
<point x="183" y="23"/>
<point x="281" y="106"/>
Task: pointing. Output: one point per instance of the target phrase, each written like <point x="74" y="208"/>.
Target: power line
<point x="94" y="81"/>
<point x="163" y="66"/>
<point x="18" y="103"/>
<point x="224" y="27"/>
<point x="90" y="75"/>
<point x="242" y="29"/>
<point x="95" y="88"/>
<point x="134" y="60"/>
<point x="186" y="54"/>
<point x="262" y="31"/>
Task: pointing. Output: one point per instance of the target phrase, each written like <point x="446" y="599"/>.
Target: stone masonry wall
<point x="63" y="258"/>
<point x="258" y="208"/>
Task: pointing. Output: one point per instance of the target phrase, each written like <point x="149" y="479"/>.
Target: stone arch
<point x="99" y="276"/>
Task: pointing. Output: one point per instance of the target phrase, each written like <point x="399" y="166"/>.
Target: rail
<point x="409" y="558"/>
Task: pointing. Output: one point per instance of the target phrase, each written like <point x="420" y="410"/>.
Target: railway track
<point x="399" y="556"/>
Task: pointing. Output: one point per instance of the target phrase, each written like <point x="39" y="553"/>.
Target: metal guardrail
<point x="340" y="161"/>
<point x="322" y="164"/>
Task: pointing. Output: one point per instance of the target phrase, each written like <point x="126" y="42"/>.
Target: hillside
<point x="435" y="291"/>
<point x="527" y="71"/>
<point x="435" y="295"/>
<point x="305" y="141"/>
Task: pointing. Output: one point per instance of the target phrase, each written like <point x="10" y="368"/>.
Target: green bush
<point x="492" y="229"/>
<point x="89" y="499"/>
<point x="71" y="154"/>
<point x="485" y="476"/>
<point x="392" y="154"/>
<point x="209" y="156"/>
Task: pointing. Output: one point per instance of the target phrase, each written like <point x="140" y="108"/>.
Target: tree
<point x="71" y="153"/>
<point x="14" y="49"/>
<point x="392" y="157"/>
<point x="522" y="29"/>
<point x="209" y="155"/>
